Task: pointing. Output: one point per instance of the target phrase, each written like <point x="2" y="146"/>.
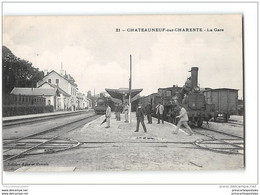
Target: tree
<point x="17" y="72"/>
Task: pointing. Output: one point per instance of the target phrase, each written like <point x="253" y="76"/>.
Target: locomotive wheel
<point x="226" y="118"/>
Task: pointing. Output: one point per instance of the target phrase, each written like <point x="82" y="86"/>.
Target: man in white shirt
<point x="126" y="112"/>
<point x="159" y="112"/>
<point x="108" y="116"/>
<point x="183" y="120"/>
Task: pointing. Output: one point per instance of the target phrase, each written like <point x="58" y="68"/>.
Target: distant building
<point x="89" y="94"/>
<point x="50" y="95"/>
<point x="62" y="82"/>
<point x="63" y="98"/>
<point x="83" y="102"/>
<point x="89" y="102"/>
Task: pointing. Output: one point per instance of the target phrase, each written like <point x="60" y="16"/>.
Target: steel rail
<point x="221" y="132"/>
<point x="218" y="151"/>
<point x="15" y="122"/>
<point x="196" y="143"/>
<point x="137" y="142"/>
<point x="48" y="130"/>
<point x="213" y="138"/>
<point x="234" y="123"/>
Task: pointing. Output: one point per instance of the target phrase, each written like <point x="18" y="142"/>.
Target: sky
<point x="98" y="57"/>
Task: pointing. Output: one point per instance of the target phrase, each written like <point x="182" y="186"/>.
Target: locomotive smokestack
<point x="194" y="77"/>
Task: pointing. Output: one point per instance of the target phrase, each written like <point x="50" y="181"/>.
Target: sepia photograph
<point x="119" y="93"/>
<point x="123" y="93"/>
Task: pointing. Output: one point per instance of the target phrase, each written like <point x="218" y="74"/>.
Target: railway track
<point x="36" y="144"/>
<point x="22" y="121"/>
<point x="220" y="142"/>
<point x="42" y="143"/>
<point x="229" y="144"/>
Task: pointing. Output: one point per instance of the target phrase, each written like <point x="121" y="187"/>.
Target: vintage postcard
<point x="123" y="93"/>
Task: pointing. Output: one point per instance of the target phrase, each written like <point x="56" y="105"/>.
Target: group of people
<point x="148" y="110"/>
<point x="141" y="112"/>
<point x="118" y="110"/>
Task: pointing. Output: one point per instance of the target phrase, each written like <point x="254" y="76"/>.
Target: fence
<point x="23" y="100"/>
<point x="14" y="105"/>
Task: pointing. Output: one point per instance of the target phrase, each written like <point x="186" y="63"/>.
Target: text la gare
<point x="215" y="30"/>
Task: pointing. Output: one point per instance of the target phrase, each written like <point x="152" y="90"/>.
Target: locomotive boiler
<point x="193" y="100"/>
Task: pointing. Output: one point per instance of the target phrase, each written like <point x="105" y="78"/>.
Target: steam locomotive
<point x="189" y="96"/>
<point x="193" y="100"/>
<point x="101" y="103"/>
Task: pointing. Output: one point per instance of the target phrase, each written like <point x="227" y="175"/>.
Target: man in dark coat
<point x="118" y="111"/>
<point x="140" y="117"/>
<point x="148" y="109"/>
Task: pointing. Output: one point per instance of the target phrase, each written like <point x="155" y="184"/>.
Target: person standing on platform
<point x="108" y="115"/>
<point x="159" y="112"/>
<point x="149" y="110"/>
<point x="183" y="120"/>
<point x="126" y="112"/>
<point x="140" y="117"/>
<point x="117" y="110"/>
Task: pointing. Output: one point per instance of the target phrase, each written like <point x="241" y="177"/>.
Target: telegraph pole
<point x="130" y="89"/>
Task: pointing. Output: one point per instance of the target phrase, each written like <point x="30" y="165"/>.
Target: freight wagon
<point x="225" y="101"/>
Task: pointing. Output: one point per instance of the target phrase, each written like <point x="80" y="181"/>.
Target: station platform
<point x="121" y="131"/>
<point x="41" y="115"/>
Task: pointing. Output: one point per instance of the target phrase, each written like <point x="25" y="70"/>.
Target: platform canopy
<point x="123" y="93"/>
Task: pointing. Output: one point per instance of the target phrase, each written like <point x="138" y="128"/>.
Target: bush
<point x="16" y="110"/>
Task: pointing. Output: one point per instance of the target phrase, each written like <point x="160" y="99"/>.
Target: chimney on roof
<point x="45" y="72"/>
<point x="61" y="70"/>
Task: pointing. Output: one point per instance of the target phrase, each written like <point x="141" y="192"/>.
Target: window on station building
<point x="57" y="81"/>
<point x="49" y="80"/>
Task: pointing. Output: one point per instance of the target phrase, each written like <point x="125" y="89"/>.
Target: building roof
<point x="119" y="93"/>
<point x="221" y="89"/>
<point x="72" y="83"/>
<point x="165" y="88"/>
<point x="56" y="87"/>
<point x="169" y="88"/>
<point x="34" y="91"/>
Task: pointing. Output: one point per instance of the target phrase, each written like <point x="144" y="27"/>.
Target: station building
<point x="65" y="84"/>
